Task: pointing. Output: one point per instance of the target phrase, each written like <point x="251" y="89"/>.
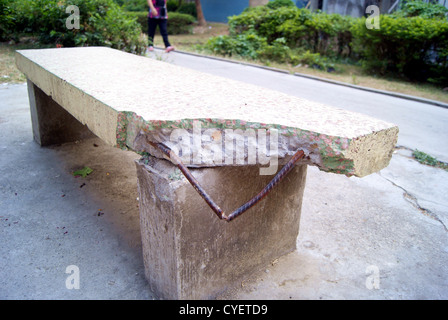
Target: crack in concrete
<point x="409" y="197"/>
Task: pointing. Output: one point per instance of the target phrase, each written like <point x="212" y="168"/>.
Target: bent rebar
<point x="249" y="204"/>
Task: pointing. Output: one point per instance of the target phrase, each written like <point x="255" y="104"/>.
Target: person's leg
<point x="163" y="25"/>
<point x="152" y="25"/>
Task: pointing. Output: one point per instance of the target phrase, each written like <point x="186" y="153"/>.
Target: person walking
<point x="158" y="16"/>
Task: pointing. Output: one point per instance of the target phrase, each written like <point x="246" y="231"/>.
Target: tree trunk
<point x="201" y="18"/>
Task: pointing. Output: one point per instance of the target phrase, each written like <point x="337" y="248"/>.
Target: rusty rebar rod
<point x="249" y="204"/>
<point x="278" y="177"/>
<point x="183" y="168"/>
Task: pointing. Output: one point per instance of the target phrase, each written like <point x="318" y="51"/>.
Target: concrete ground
<point x="380" y="237"/>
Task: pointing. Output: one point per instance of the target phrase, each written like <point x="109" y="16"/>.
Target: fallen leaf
<point x="84" y="172"/>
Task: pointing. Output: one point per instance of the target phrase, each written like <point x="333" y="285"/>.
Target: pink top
<point x="160" y="6"/>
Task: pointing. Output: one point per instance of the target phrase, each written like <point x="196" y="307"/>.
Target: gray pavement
<point x="380" y="237"/>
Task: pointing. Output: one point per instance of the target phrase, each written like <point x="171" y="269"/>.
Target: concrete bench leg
<point x="51" y="123"/>
<point x="188" y="252"/>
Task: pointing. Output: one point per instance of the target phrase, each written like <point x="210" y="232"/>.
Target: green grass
<point x="8" y="70"/>
<point x="426" y="159"/>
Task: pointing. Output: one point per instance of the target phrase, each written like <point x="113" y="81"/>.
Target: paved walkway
<point x="380" y="237"/>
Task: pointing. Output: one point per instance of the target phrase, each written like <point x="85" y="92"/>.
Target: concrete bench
<point x="231" y="137"/>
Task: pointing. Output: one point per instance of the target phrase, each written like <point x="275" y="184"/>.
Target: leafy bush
<point x="178" y="23"/>
<point x="414" y="47"/>
<point x="141" y="17"/>
<point x="314" y="60"/>
<point x="280" y="3"/>
<point x="102" y="23"/>
<point x="6" y="20"/>
<point x="412" y="42"/>
<point x="277" y="51"/>
<point x="248" y="20"/>
<point x="133" y="5"/>
<point x="245" y="45"/>
<point x="327" y="34"/>
<point x="188" y="8"/>
<point x="422" y="9"/>
<point x="120" y="32"/>
<point x="252" y="46"/>
<point x="172" y="5"/>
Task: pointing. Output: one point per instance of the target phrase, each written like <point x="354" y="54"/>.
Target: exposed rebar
<point x="249" y="204"/>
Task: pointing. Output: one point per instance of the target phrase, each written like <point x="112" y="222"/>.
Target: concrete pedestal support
<point x="51" y="123"/>
<point x="188" y="252"/>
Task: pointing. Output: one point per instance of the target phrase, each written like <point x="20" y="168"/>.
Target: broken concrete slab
<point x="93" y="85"/>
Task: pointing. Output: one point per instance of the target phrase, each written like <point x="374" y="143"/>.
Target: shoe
<point x="150" y="48"/>
<point x="170" y="48"/>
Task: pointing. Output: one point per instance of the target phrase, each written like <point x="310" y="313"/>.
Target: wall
<point x="219" y="10"/>
<point x="354" y="8"/>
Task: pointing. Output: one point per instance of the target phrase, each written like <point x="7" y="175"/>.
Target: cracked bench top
<point x="122" y="96"/>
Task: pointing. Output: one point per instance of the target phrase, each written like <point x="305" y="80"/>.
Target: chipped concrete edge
<point x="358" y="156"/>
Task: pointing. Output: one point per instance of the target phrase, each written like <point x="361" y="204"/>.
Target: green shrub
<point x="412" y="43"/>
<point x="6" y="20"/>
<point x="141" y="17"/>
<point x="188" y="8"/>
<point x="252" y="46"/>
<point x="313" y="60"/>
<point x="280" y="3"/>
<point x="413" y="47"/>
<point x="327" y="34"/>
<point x="102" y="23"/>
<point x="172" y="5"/>
<point x="120" y="32"/>
<point x="422" y="9"/>
<point x="277" y="51"/>
<point x="135" y="5"/>
<point x="178" y="23"/>
<point x="247" y="45"/>
<point x="248" y="20"/>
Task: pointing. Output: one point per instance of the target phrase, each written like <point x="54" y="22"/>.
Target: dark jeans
<point x="152" y="25"/>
